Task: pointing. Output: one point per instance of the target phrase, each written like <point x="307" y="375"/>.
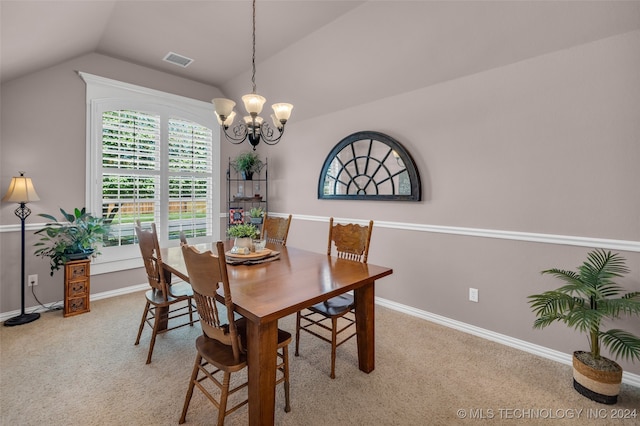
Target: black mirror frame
<point x="394" y="145"/>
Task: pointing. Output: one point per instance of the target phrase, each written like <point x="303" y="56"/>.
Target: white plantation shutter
<point x="151" y="156"/>
<point x="190" y="178"/>
<point x="130" y="140"/>
<point x="133" y="181"/>
<point x="131" y="171"/>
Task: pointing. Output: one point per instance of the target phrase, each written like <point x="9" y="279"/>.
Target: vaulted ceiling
<point x="321" y="55"/>
<point x="216" y="34"/>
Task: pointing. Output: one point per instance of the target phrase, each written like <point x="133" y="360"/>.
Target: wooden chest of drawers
<point x="76" y="287"/>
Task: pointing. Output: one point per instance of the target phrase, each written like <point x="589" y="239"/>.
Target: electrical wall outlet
<point x="473" y="294"/>
<point x="32" y="280"/>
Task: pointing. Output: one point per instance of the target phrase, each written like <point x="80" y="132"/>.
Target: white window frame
<point x="103" y="94"/>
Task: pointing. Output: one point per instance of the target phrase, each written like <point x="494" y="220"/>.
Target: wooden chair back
<point x="276" y="229"/>
<point x="157" y="276"/>
<point x="183" y="238"/>
<point x="206" y="272"/>
<point x="351" y="241"/>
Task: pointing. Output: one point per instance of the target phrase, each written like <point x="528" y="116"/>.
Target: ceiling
<point x="216" y="34"/>
<point x="318" y="55"/>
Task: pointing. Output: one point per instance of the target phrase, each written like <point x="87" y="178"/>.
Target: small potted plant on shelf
<point x="76" y="236"/>
<point x="256" y="214"/>
<point x="247" y="163"/>
<point x="244" y="233"/>
<point x="589" y="297"/>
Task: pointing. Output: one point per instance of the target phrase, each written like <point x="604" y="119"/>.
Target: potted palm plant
<point x="77" y="236"/>
<point x="247" y="163"/>
<point x="589" y="297"/>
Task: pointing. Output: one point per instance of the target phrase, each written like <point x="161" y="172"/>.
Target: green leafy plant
<point x="589" y="297"/>
<point x="243" y="230"/>
<point x="256" y="212"/>
<point x="247" y="162"/>
<point x="76" y="236"/>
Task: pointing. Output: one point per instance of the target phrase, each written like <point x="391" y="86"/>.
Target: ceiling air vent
<point x="180" y="60"/>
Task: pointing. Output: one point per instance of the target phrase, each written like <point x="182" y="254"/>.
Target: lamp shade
<point x="229" y="120"/>
<point x="223" y="106"/>
<point x="20" y="190"/>
<point x="282" y="111"/>
<point x="276" y="122"/>
<point x="248" y="120"/>
<point x="253" y="103"/>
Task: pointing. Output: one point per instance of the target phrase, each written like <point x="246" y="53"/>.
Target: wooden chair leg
<point x="144" y="319"/>
<point x="190" y="302"/>
<point x="223" y="398"/>
<point x="192" y="381"/>
<point x="285" y="360"/>
<point x="298" y="315"/>
<point x="156" y="326"/>
<point x="334" y="334"/>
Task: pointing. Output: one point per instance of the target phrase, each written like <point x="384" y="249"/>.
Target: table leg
<point x="162" y="312"/>
<point x="262" y="342"/>
<point x="365" y="326"/>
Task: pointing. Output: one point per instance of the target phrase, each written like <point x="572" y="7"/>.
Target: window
<point x="152" y="157"/>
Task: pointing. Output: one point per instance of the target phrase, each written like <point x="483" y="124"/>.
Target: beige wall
<point x="546" y="146"/>
<point x="43" y="133"/>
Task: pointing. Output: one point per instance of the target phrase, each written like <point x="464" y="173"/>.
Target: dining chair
<point x="336" y="315"/>
<point x="165" y="302"/>
<point x="221" y="350"/>
<point x="276" y="229"/>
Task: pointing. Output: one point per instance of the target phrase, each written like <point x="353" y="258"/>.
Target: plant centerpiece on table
<point x="244" y="233"/>
<point x="589" y="297"/>
<point x="256" y="214"/>
<point x="247" y="163"/>
<point x="76" y="236"/>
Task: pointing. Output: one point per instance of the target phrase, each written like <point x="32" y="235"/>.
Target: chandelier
<point x="253" y="127"/>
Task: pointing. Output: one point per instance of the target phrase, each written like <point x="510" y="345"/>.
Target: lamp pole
<point x="22" y="212"/>
<point x="21" y="190"/>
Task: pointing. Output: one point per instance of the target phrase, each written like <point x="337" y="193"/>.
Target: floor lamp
<point x="21" y="191"/>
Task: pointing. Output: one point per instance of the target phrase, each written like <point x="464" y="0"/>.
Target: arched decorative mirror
<point x="369" y="166"/>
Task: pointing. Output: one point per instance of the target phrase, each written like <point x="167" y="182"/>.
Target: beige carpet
<point x="85" y="370"/>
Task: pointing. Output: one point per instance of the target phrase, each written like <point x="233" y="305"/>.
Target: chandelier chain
<point x="253" y="57"/>
<point x="252" y="128"/>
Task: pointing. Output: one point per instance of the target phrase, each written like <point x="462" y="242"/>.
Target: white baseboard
<point x="628" y="378"/>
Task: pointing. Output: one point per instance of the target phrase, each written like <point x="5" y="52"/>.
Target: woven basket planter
<point x="597" y="385"/>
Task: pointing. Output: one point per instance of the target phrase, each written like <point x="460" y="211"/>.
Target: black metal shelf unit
<point x="245" y="194"/>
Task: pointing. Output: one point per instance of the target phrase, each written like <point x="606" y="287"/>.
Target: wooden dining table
<point x="266" y="292"/>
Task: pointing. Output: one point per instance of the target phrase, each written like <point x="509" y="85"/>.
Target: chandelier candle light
<point x="253" y="127"/>
<point x="21" y="191"/>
